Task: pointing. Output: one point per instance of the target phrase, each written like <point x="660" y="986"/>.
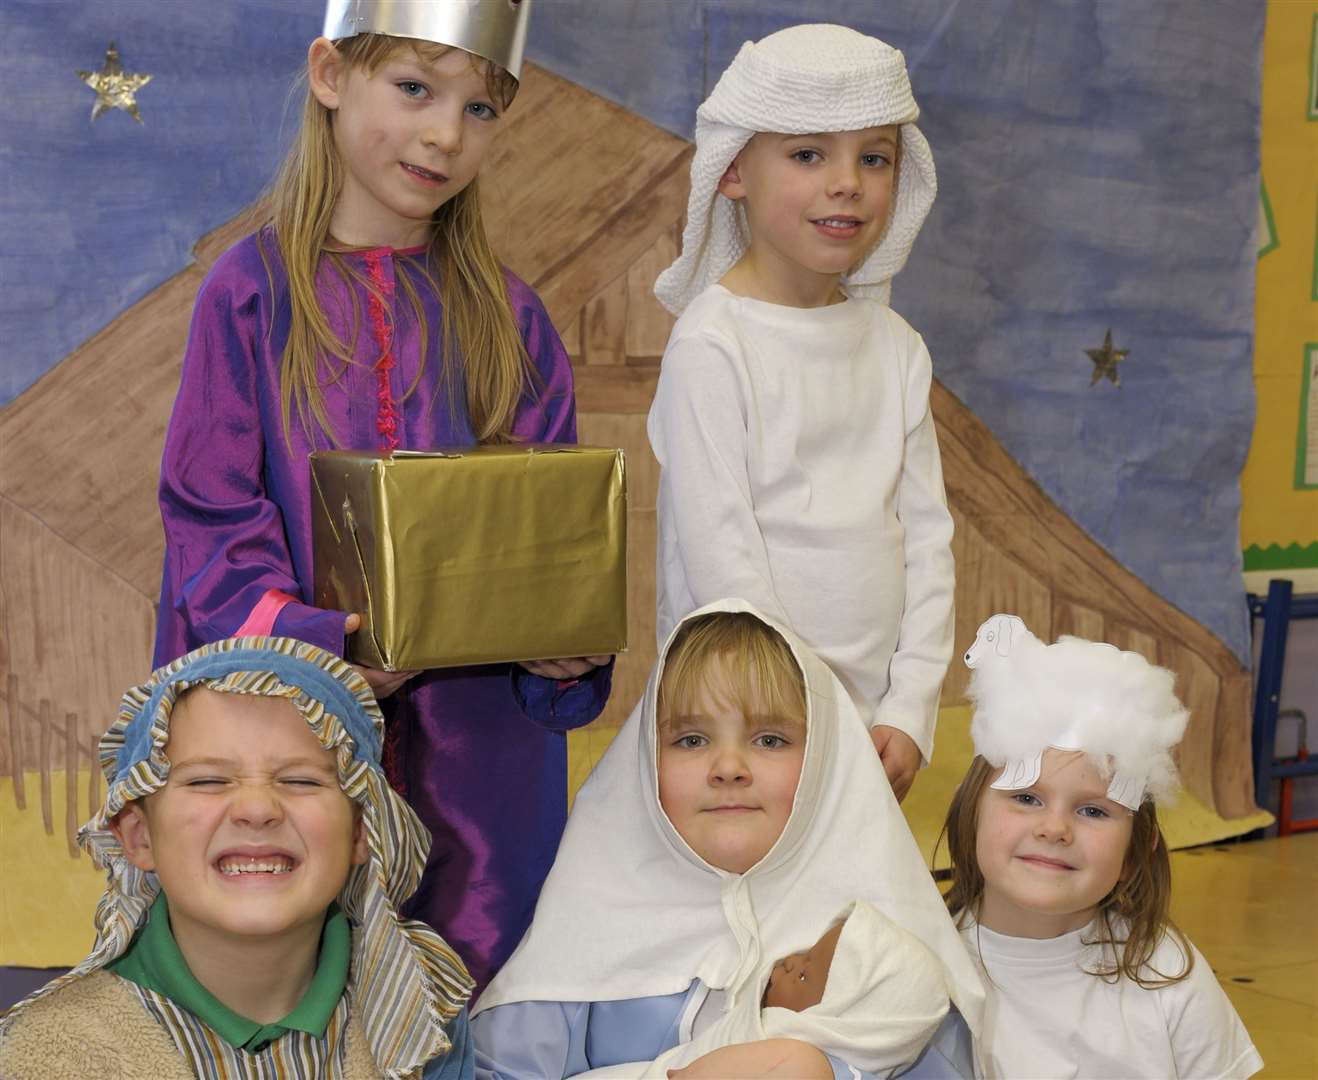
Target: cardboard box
<point x="473" y="556"/>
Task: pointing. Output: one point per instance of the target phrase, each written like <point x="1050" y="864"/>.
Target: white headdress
<point x="801" y="80"/>
<point x="1073" y="695"/>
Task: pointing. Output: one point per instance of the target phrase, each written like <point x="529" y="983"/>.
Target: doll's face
<point x="797" y="981"/>
<point x="728" y="772"/>
<point x="1050" y="853"/>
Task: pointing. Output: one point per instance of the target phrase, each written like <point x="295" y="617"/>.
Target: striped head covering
<point x="405" y="982"/>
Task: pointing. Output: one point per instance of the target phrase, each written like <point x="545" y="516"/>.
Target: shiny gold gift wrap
<point x="473" y="556"/>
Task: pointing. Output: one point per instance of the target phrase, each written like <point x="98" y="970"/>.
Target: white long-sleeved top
<point x="800" y="471"/>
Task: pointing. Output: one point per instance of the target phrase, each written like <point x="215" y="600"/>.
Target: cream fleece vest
<point x="95" y="1028"/>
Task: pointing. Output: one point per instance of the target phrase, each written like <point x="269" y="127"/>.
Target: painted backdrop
<point x="1098" y="163"/>
<point x="1099" y="170"/>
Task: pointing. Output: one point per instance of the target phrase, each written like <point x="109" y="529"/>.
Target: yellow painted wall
<point x="47" y="896"/>
<point x="1286" y="308"/>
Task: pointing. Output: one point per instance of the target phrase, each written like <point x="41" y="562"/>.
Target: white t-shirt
<point x="1047" y="1018"/>
<point x="800" y="471"/>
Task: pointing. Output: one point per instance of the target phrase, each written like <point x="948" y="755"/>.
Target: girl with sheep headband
<point x="1061" y="880"/>
<point x="800" y="468"/>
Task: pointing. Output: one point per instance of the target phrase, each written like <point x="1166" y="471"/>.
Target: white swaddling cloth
<point x="884" y="998"/>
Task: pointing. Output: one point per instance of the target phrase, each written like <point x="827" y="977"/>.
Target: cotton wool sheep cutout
<point x="1073" y="695"/>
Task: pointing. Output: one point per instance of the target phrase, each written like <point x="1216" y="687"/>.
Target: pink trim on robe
<point x="261" y="622"/>
<point x="386" y="415"/>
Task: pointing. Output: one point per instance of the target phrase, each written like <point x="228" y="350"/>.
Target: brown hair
<point x="1139" y="904"/>
<point x="765" y="673"/>
<point x="482" y="347"/>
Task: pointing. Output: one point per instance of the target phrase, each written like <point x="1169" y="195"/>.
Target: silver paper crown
<point x="493" y="29"/>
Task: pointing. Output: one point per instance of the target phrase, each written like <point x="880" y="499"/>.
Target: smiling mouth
<point x="235" y="865"/>
<point x="1044" y="861"/>
<point x="424" y="174"/>
<point x="840" y="227"/>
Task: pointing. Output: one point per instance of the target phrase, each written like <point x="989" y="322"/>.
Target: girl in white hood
<point x="739" y="810"/>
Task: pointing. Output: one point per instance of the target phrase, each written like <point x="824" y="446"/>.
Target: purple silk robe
<point x="480" y="752"/>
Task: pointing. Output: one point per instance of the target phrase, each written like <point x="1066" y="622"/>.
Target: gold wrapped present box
<point x="473" y="556"/>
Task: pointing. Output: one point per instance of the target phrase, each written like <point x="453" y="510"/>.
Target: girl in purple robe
<point x="370" y="312"/>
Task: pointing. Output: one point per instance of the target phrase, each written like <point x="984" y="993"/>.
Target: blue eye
<point x="770" y="742"/>
<point x="411" y="88"/>
<point x="1026" y="798"/>
<point x="482" y="110"/>
<point x="690" y="742"/>
<point x="806" y="157"/>
<point x="873" y="161"/>
<point x="1093" y="812"/>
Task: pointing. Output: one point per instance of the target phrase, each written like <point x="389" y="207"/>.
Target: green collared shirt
<point x="153" y="961"/>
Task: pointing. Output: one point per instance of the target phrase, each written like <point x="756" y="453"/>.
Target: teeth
<point x="230" y="867"/>
<point x="838" y="223"/>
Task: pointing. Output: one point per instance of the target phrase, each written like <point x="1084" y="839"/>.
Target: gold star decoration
<point x="115" y="88"/>
<point x="1106" y="360"/>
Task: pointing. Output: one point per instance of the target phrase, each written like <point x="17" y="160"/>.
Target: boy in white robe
<point x="800" y="466"/>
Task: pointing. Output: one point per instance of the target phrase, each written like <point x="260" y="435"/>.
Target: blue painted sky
<point x="1098" y="164"/>
<point x="96" y="215"/>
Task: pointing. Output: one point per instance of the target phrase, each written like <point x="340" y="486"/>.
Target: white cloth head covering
<point x="630" y="911"/>
<point x="800" y="81"/>
<point x="1073" y="695"/>
<point x="405" y="980"/>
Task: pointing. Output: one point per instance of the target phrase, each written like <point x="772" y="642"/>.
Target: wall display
<point x="1279" y="518"/>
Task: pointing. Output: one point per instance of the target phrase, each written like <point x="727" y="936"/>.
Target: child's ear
<point x="360" y="852"/>
<point x="730" y="182"/>
<point x="131" y="829"/>
<point x="325" y="70"/>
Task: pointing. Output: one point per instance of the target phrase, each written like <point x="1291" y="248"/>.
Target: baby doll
<point x="863" y="966"/>
<point x="867" y="992"/>
<point x="797" y="982"/>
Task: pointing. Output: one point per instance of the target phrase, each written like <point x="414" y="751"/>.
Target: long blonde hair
<point x="479" y="330"/>
<point x="1132" y="919"/>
